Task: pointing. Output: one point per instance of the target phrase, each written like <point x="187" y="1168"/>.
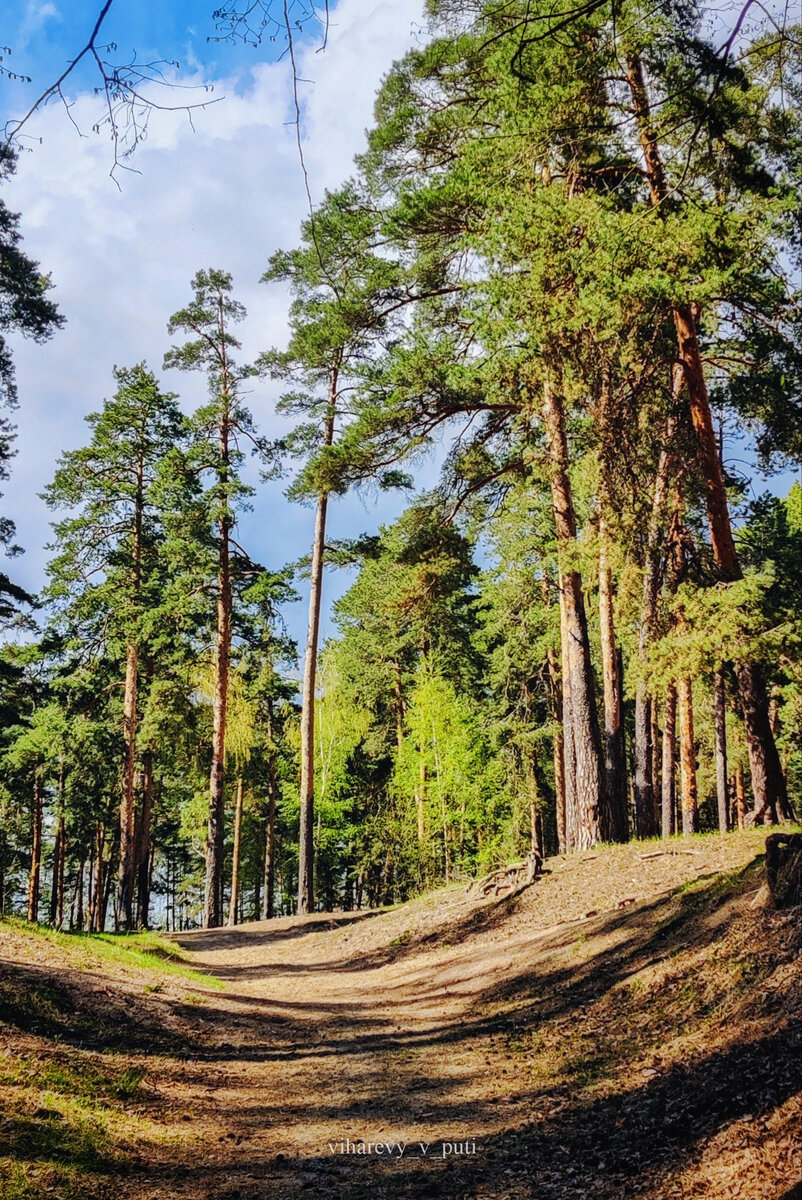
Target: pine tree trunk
<point x="270" y="830"/>
<point x="556" y="707"/>
<point x="740" y="796"/>
<point x="558" y="756"/>
<point x="62" y="859"/>
<point x="721" y="749"/>
<point x="215" y="837"/>
<point x="655" y="738"/>
<point x="306" y="852"/>
<point x="108" y="869"/>
<point x="768" y="781"/>
<point x="687" y="756"/>
<point x="127" y="805"/>
<point x="569" y="755"/>
<point x="669" y="774"/>
<point x="127" y="867"/>
<point x="615" y="760"/>
<point x="645" y="796"/>
<point x="97" y="914"/>
<point x="59" y="853"/>
<point x="590" y="820"/>
<point x="35" y="873"/>
<point x="235" y="856"/>
<point x="78" y="900"/>
<point x="143" y="854"/>
<point x="306" y="847"/>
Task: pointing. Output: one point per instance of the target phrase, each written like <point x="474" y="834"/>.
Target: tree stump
<point x="784" y="868"/>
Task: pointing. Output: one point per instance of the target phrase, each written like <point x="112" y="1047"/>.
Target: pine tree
<point x="214" y="459"/>
<point x="102" y="576"/>
<point x="343" y="294"/>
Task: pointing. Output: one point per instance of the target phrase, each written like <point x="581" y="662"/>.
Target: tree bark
<point x="614" y="755"/>
<point x="687" y="756"/>
<point x="127" y="804"/>
<point x="669" y="775"/>
<point x="768" y="781"/>
<point x="556" y="706"/>
<point x="97" y="916"/>
<point x="59" y="855"/>
<point x="144" y="843"/>
<point x="270" y="830"/>
<point x="645" y="796"/>
<point x="78" y="900"/>
<point x="215" y="837"/>
<point x="740" y="796"/>
<point x="306" y="848"/>
<point x="235" y="856"/>
<point x="35" y="873"/>
<point x="655" y="738"/>
<point x="590" y="821"/>
<point x="721" y="749"/>
<point x="127" y="867"/>
<point x="557" y="752"/>
<point x="567" y="722"/>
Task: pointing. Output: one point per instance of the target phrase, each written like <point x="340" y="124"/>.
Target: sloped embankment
<point x="629" y="1026"/>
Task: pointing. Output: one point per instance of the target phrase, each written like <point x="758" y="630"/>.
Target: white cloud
<point x="35" y="18"/>
<point x="226" y="195"/>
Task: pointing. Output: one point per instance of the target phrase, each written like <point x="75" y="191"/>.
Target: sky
<point x="225" y="190"/>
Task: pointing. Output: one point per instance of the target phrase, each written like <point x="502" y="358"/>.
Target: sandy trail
<point x="385" y="1056"/>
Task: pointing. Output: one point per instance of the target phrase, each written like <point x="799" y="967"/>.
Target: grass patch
<point x="148" y="951"/>
<point x="29" y="1181"/>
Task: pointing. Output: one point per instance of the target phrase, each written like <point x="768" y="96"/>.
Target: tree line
<point x="567" y="259"/>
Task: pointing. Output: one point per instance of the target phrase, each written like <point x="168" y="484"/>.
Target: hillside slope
<point x="628" y="1026"/>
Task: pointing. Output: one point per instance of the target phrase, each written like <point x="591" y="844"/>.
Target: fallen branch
<point x="505" y="877"/>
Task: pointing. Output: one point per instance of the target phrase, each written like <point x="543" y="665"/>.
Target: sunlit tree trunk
<point x="645" y="796"/>
<point x="614" y="756"/>
<point x="669" y="771"/>
<point x="558" y="757"/>
<point x="270" y="825"/>
<point x="144" y="843"/>
<point x="127" y="804"/>
<point x="235" y="856"/>
<point x="768" y="782"/>
<point x="59" y="856"/>
<point x="96" y="914"/>
<point x="215" y="836"/>
<point x="687" y="756"/>
<point x="127" y="866"/>
<point x="78" y="900"/>
<point x="556" y="706"/>
<point x="567" y="723"/>
<point x="720" y="719"/>
<point x="590" y="821"/>
<point x="35" y="873"/>
<point x="306" y="846"/>
<point x="655" y="738"/>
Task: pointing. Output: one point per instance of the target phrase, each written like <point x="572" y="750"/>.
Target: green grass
<point x="147" y="951"/>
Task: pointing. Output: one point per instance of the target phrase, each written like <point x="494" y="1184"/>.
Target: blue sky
<point x="45" y="34"/>
<point x="226" y="194"/>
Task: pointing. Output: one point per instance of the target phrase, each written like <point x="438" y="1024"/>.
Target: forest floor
<point x="627" y="1026"/>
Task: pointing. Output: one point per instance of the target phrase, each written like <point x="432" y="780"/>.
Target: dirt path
<point x="582" y="1040"/>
